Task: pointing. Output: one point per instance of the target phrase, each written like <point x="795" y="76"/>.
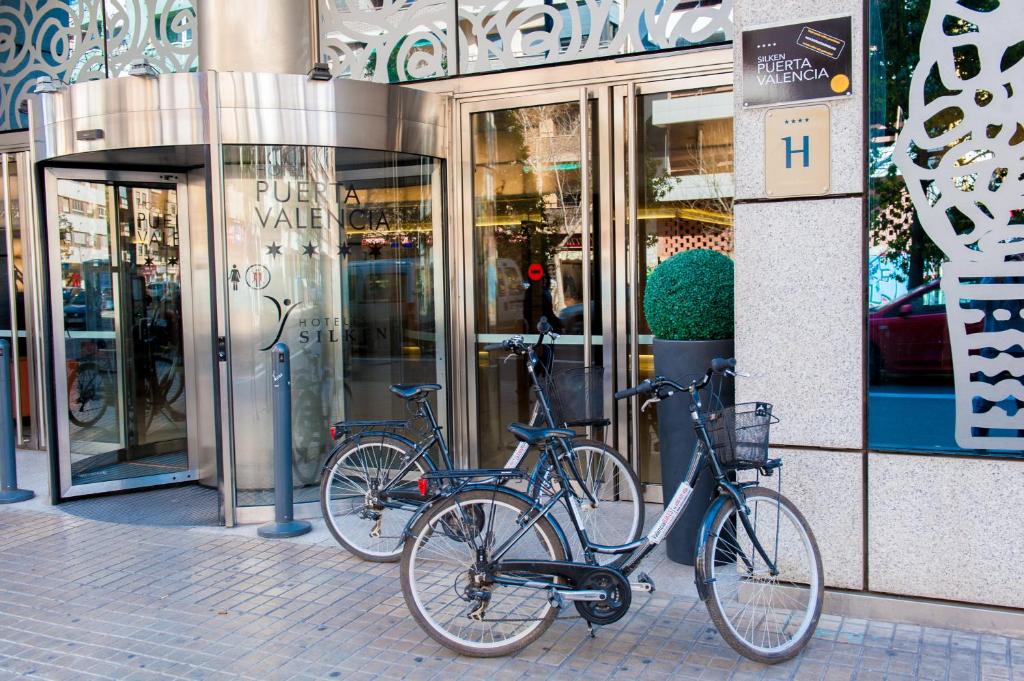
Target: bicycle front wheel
<point x="765" y="615"/>
<point x="457" y="604"/>
<point x="365" y="520"/>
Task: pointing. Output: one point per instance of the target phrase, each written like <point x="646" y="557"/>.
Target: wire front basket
<point x="577" y="396"/>
<point x="739" y="434"/>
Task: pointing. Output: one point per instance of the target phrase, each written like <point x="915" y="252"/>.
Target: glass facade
<point x="332" y="251"/>
<point x="946" y="229"/>
<point x="13" y="317"/>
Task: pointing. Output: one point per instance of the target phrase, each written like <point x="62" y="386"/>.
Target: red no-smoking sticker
<point x="535" y="271"/>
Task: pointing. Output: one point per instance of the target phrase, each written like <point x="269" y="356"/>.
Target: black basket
<point x="577" y="396"/>
<point x="740" y="434"/>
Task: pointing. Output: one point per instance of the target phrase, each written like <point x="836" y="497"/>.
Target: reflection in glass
<point x="684" y="197"/>
<point x="121" y="296"/>
<point x="528" y="255"/>
<point x="911" y="395"/>
<point x="12" y="292"/>
<point x="331" y="251"/>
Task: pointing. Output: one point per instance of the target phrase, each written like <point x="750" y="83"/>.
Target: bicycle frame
<point x="634" y="552"/>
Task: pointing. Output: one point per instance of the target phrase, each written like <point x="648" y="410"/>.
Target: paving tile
<point x="83" y="599"/>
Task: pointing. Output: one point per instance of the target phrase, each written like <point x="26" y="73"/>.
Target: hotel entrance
<point x="119" y="250"/>
<point x="569" y="198"/>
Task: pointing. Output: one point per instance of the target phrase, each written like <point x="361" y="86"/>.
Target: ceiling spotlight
<point x="46" y="84"/>
<point x="143" y="68"/>
<point x="320" y="71"/>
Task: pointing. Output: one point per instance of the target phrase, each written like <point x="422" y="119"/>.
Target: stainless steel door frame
<point x="62" y="448"/>
<point x="463" y="257"/>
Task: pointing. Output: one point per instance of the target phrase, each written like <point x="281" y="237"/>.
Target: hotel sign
<point x="798" y="153"/>
<point x="797" y="62"/>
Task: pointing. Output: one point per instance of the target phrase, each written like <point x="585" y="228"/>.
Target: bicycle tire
<point x="423" y="532"/>
<point x="349" y="535"/>
<point x="713" y="548"/>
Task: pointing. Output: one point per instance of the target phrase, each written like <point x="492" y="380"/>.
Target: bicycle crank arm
<point x="582" y="595"/>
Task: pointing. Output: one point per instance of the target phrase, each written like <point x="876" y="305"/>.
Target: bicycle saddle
<point x="410" y="391"/>
<point x="534" y="436"/>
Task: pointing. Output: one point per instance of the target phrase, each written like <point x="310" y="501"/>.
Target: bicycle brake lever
<point x="649" y="402"/>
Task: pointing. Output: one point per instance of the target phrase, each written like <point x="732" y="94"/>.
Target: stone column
<point x="800" y="301"/>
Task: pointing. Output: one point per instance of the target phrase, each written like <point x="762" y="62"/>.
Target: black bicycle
<point x="369" y="488"/>
<point x="485" y="572"/>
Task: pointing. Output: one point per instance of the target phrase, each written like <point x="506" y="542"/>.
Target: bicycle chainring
<point x="619" y="598"/>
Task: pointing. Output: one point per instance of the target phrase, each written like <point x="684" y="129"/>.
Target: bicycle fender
<point x="356" y="437"/>
<point x="407" y="532"/>
<point x="699" y="577"/>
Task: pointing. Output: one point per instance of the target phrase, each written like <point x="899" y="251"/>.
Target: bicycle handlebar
<point x="643" y="387"/>
<point x="517" y="344"/>
<point x="718" y="365"/>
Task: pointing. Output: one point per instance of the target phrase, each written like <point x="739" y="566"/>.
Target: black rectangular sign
<point x="798" y="62"/>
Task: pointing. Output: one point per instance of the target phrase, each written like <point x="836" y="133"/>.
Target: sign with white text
<point x="797" y="62"/>
<point x="797" y="152"/>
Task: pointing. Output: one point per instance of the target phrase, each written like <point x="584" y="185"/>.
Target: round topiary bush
<point x="690" y="297"/>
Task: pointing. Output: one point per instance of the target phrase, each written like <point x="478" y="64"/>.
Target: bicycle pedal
<point x="643" y="584"/>
<point x="556" y="600"/>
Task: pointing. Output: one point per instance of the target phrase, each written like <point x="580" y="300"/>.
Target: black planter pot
<point x="682" y="361"/>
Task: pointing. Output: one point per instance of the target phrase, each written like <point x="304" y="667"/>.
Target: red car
<point x="909" y="336"/>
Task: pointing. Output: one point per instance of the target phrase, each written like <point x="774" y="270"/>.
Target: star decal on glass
<point x="172" y="261"/>
<point x="149" y="261"/>
<point x="273" y="250"/>
<point x="309" y="250"/>
<point x="344" y="250"/>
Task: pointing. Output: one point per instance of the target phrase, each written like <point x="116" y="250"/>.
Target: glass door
<point x="679" y="153"/>
<point x="119" y="272"/>
<point x="533" y="249"/>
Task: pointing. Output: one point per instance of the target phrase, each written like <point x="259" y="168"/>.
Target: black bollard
<point x="9" y="492"/>
<point x="284" y="524"/>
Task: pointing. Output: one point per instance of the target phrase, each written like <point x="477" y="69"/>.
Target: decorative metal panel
<point x="386" y="40"/>
<point x="161" y="31"/>
<point x="960" y="153"/>
<point x="78" y="40"/>
<point x="62" y="39"/>
<point x="398" y="40"/>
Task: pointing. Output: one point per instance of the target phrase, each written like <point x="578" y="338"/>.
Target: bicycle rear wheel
<point x="767" y="618"/>
<point x="618" y="516"/>
<point x="460" y="607"/>
<point x="364" y="523"/>
<point x="87" y="395"/>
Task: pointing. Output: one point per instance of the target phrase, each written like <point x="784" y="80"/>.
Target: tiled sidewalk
<point x="84" y="599"/>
